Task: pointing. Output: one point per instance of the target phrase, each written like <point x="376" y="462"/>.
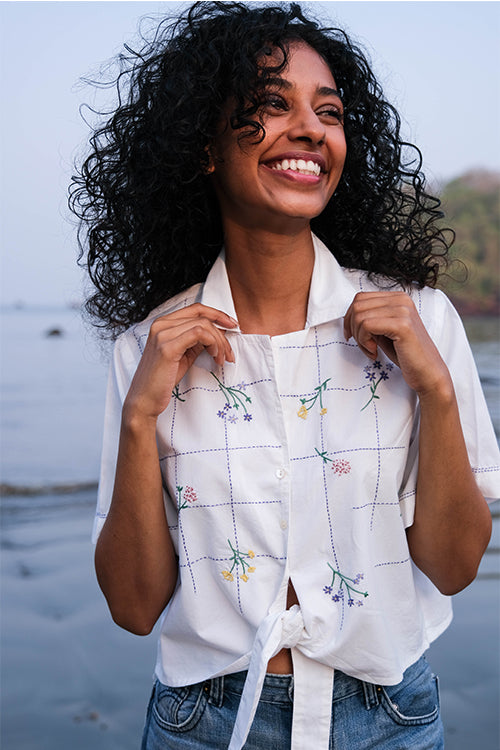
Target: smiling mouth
<point x="301" y="166"/>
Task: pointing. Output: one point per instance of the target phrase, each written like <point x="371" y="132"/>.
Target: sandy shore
<point x="72" y="679"/>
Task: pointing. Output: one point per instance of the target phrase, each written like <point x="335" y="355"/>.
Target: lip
<point x="305" y="155"/>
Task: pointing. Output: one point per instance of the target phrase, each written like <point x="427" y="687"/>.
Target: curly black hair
<point x="150" y="225"/>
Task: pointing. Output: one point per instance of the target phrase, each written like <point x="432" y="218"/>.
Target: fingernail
<point x="235" y="322"/>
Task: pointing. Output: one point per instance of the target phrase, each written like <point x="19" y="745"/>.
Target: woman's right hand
<point x="173" y="344"/>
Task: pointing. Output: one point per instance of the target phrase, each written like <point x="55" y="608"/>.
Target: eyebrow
<point x="321" y="90"/>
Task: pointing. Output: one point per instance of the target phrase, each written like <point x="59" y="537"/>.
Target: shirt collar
<point x="330" y="294"/>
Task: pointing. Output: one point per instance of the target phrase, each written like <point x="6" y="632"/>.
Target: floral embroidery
<point x="189" y="497"/>
<point x="375" y="374"/>
<point x="175" y="393"/>
<point x="235" y="399"/>
<point x="339" y="465"/>
<point x="345" y="588"/>
<point x="308" y="403"/>
<point x="239" y="558"/>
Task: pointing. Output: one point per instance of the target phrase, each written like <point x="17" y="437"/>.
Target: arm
<point x="135" y="559"/>
<point x="452" y="523"/>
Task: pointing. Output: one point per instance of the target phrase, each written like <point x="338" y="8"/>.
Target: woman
<point x="288" y="444"/>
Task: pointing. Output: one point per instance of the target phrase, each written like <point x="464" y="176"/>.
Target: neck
<point x="270" y="276"/>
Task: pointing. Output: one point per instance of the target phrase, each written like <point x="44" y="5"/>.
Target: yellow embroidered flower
<point x="323" y="410"/>
<point x="244" y="577"/>
<point x="251" y="554"/>
<point x="227" y="575"/>
<point x="302" y="412"/>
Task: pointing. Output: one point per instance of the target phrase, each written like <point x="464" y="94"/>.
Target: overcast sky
<point x="439" y="62"/>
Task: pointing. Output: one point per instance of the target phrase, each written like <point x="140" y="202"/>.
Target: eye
<point x="274" y="102"/>
<point x="331" y="112"/>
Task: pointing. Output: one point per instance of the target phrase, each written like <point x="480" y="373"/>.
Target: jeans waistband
<point x="278" y="688"/>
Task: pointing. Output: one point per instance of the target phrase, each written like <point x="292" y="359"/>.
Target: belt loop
<point x="215" y="690"/>
<point x="372" y="695"/>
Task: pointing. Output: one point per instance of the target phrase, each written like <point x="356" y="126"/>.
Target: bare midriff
<point x="282" y="662"/>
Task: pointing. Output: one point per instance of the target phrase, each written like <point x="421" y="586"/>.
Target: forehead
<point x="304" y="64"/>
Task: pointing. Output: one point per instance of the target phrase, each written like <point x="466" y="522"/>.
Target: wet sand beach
<point x="73" y="679"/>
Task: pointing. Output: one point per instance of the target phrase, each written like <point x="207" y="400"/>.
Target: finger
<point x="175" y="341"/>
<point x="198" y="310"/>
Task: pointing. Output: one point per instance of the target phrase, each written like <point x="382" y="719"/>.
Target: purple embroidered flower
<point x="233" y="418"/>
<point x="389" y="366"/>
<point x="221" y="413"/>
<point x="247" y="417"/>
<point x="344" y="587"/>
<point x="242" y="386"/>
<point x="375" y="374"/>
<point x="227" y="406"/>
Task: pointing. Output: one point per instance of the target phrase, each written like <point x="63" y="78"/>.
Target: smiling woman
<point x="285" y="477"/>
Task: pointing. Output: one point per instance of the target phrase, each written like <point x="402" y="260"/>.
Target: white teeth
<point x="298" y="165"/>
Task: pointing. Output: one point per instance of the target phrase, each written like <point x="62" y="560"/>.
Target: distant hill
<point x="472" y="208"/>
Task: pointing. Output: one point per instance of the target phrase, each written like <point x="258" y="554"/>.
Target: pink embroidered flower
<point x="190" y="495"/>
<point x="341" y="466"/>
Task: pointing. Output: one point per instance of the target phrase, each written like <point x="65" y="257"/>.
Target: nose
<point x="306" y="126"/>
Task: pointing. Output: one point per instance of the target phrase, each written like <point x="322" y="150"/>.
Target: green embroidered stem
<point x="344" y="582"/>
<point x="180" y="503"/>
<point x="373" y="388"/>
<point x="238" y="558"/>
<point x="308" y="403"/>
<point x="324" y="456"/>
<point x="175" y="394"/>
<point x="234" y="394"/>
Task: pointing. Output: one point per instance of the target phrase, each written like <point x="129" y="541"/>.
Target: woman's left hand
<point x="389" y="320"/>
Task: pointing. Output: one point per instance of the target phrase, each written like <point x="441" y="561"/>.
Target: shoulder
<point x="134" y="338"/>
<point x="434" y="307"/>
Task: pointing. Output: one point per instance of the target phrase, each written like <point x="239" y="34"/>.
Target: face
<point x="290" y="176"/>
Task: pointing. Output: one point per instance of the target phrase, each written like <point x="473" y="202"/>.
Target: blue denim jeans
<point x="364" y="716"/>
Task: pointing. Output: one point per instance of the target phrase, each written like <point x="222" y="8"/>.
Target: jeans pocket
<point x="415" y="700"/>
<point x="178" y="709"/>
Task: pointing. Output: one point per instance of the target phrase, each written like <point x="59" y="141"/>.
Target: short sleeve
<point x="120" y="374"/>
<point x="447" y="331"/>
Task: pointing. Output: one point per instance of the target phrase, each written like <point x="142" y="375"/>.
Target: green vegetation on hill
<point x="472" y="209"/>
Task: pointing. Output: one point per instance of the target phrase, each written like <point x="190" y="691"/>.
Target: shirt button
<point x="283" y="525"/>
<point x="280" y="473"/>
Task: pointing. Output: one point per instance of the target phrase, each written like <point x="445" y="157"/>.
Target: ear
<point x="208" y="167"/>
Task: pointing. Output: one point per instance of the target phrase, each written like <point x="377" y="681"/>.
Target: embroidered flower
<point x="239" y="559"/>
<point x="341" y="584"/>
<point x="341" y="466"/>
<point x="308" y="403"/>
<point x="189" y="497"/>
<point x="235" y="399"/>
<point x="375" y="374"/>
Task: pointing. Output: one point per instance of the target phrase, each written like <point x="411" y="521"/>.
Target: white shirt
<point x="298" y="462"/>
